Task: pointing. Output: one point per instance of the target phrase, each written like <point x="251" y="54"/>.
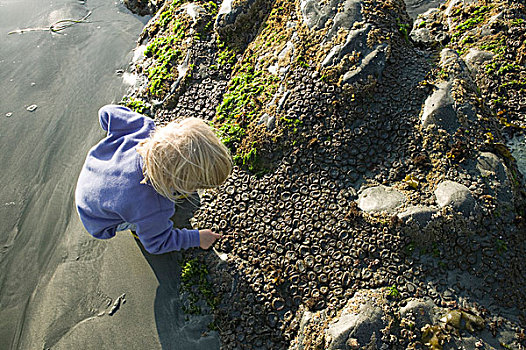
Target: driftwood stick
<point x="54" y="27"/>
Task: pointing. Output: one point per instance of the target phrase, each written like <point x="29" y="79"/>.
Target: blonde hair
<point x="184" y="156"/>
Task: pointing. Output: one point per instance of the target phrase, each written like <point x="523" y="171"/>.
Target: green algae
<point x="460" y="320"/>
<point x="240" y="108"/>
<point x="138" y="106"/>
<point x="251" y="160"/>
<point x="195" y="283"/>
<point x="169" y="45"/>
<point x="477" y="17"/>
<point x="520" y="85"/>
<point x="166" y="53"/>
<point x="501" y="246"/>
<point x="404" y="28"/>
<point x="226" y="54"/>
<point x="291" y="124"/>
<point x="231" y="133"/>
<point x="393" y="292"/>
<point x="433" y="337"/>
<point x="496" y="46"/>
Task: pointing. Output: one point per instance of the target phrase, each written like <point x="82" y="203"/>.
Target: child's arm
<point x="207" y="238"/>
<point x="158" y="235"/>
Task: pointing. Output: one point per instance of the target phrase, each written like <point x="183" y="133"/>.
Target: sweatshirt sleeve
<point x="159" y="236"/>
<point x="118" y="119"/>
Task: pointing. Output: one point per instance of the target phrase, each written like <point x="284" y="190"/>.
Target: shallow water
<point x="68" y="76"/>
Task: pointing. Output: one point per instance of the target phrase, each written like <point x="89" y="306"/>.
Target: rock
<point x="143" y="7"/>
<point x="476" y="59"/>
<point x="421" y="214"/>
<point x="468" y="111"/>
<point x="458" y="196"/>
<point x="372" y="65"/>
<point x="268" y="121"/>
<point x="490" y="165"/>
<point x="380" y="198"/>
<point x="229" y="12"/>
<point x="517" y="147"/>
<point x="356" y="41"/>
<point x="373" y="61"/>
<point x="493" y="169"/>
<point x="422" y="310"/>
<point x="422" y="36"/>
<point x="306" y="318"/>
<point x="439" y="110"/>
<point x="317" y="14"/>
<point x="351" y="12"/>
<point x="194" y="11"/>
<point x="356" y="326"/>
<point x="455" y="67"/>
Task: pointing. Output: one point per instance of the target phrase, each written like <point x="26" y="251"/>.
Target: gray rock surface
<point x="422" y="36"/>
<point x="357" y="325"/>
<point x="476" y="59"/>
<point x="380" y="198"/>
<point x="356" y="42"/>
<point x="228" y="13"/>
<point x="421" y="310"/>
<point x="439" y="110"/>
<point x="142" y="7"/>
<point x="372" y="65"/>
<point x="458" y="196"/>
<point x="373" y="61"/>
<point x="493" y="170"/>
<point x="268" y="121"/>
<point x="490" y="165"/>
<point x="517" y="147"/>
<point x="316" y="14"/>
<point x="421" y="214"/>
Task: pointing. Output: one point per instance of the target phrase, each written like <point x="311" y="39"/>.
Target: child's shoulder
<point x="115" y="118"/>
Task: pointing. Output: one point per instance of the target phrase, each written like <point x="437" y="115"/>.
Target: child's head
<point x="184" y="156"/>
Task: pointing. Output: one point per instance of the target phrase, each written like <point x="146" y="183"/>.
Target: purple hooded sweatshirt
<point x="109" y="190"/>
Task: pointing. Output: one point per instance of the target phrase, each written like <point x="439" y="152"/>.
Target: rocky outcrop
<point x="319" y="101"/>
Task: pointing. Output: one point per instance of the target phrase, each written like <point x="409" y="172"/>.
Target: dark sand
<point x="73" y="306"/>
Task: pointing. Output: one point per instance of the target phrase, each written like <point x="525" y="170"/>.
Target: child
<point x="131" y="178"/>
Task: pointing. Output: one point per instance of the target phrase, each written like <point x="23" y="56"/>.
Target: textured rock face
<point x="439" y="110"/>
<point x="380" y="198"/>
<point x="490" y="165"/>
<point x="359" y="326"/>
<point x="477" y="59"/>
<point x="143" y="7"/>
<point x="423" y="311"/>
<point x="317" y="100"/>
<point x="317" y="14"/>
<point x="458" y="196"/>
<point x="421" y="214"/>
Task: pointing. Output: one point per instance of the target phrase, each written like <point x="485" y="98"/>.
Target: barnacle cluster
<point x="294" y="236"/>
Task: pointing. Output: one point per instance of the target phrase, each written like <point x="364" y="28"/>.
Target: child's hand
<point x="207" y="238"/>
